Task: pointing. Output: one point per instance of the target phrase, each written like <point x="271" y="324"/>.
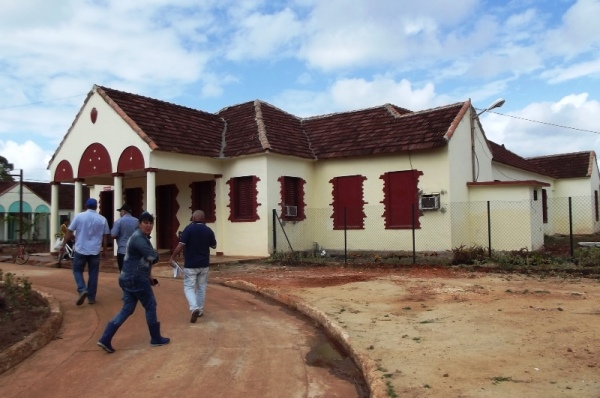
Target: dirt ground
<point x="437" y="332"/>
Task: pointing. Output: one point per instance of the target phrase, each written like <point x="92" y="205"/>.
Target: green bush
<point x="588" y="257"/>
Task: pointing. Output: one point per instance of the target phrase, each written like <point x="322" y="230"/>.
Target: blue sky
<point x="307" y="57"/>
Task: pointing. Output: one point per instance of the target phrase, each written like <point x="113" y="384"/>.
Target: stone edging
<point x="367" y="366"/>
<point x="23" y="349"/>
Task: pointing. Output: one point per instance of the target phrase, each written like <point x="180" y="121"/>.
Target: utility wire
<point x="546" y="123"/>
<point x="41" y="102"/>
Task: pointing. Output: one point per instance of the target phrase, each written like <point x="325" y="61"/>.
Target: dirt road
<point x="443" y="333"/>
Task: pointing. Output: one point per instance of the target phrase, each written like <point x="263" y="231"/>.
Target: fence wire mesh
<point x="494" y="225"/>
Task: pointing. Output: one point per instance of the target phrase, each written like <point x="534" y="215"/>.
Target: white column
<point x="220" y="212"/>
<point x="53" y="213"/>
<point x="151" y="200"/>
<point x="78" y="194"/>
<point x="118" y="196"/>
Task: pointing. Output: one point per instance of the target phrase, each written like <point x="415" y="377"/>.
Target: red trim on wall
<point x="94" y="161"/>
<point x="131" y="159"/>
<point x="63" y="172"/>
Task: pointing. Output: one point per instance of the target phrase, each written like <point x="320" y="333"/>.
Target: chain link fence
<point x="494" y="225"/>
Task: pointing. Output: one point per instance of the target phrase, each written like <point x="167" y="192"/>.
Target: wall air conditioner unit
<point x="291" y="211"/>
<point x="429" y="202"/>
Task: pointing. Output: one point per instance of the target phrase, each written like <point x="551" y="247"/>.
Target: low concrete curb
<point x="46" y="333"/>
<point x="367" y="366"/>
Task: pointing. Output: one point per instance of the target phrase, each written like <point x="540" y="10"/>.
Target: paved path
<point x="244" y="346"/>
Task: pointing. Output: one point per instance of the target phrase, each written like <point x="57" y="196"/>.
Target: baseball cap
<point x="125" y="207"/>
<point x="91" y="203"/>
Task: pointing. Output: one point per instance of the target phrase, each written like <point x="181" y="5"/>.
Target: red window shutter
<point x="348" y="202"/>
<point x="401" y="199"/>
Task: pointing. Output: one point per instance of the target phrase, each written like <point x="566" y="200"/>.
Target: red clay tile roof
<point x="502" y="155"/>
<point x="173" y="128"/>
<point x="377" y="130"/>
<point x="66" y="192"/>
<point x="568" y="165"/>
<point x="257" y="126"/>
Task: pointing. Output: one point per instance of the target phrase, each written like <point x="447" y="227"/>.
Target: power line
<point x="546" y="123"/>
<point x="41" y="102"/>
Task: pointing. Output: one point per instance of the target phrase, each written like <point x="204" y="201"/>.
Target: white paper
<point x="177" y="270"/>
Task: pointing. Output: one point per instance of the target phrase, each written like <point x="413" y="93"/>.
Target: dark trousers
<point x="120" y="258"/>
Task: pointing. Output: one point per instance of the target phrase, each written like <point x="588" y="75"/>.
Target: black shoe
<point x="82" y="297"/>
<point x="195" y="315"/>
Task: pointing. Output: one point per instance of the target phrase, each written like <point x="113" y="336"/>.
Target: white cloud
<point x="524" y="136"/>
<point x="29" y="157"/>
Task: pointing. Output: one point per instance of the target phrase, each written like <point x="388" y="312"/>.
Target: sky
<point x="307" y="57"/>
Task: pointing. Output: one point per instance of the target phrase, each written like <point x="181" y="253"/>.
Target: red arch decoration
<point x="94" y="161"/>
<point x="63" y="172"/>
<point x="131" y="159"/>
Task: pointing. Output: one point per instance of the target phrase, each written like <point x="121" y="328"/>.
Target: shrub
<point x="469" y="255"/>
<point x="588" y="257"/>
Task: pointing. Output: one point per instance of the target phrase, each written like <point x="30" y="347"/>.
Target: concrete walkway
<point x="243" y="346"/>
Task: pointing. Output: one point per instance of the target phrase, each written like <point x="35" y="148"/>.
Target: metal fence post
<point x="345" y="238"/>
<point x="274" y="231"/>
<point x="413" y="235"/>
<point x="489" y="230"/>
<point x="571" y="226"/>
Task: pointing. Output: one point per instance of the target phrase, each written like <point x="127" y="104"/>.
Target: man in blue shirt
<point x="197" y="239"/>
<point x="91" y="232"/>
<point x="122" y="229"/>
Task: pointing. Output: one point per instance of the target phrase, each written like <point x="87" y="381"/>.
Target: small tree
<point x="5" y="169"/>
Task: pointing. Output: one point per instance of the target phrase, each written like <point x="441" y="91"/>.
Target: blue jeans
<point x="194" y="287"/>
<point x="93" y="263"/>
<point x="136" y="287"/>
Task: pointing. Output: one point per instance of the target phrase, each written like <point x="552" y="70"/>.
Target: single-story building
<point x="385" y="176"/>
<point x="36" y="198"/>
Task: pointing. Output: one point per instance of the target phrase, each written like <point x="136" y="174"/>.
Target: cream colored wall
<point x="299" y="232"/>
<point x="433" y="235"/>
<point x="110" y="130"/>
<point x="186" y="163"/>
<point x="502" y="172"/>
<point x="516" y="219"/>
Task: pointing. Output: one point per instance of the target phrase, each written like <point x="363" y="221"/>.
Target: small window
<point x="203" y="198"/>
<point x="535" y="194"/>
<point x="292" y="198"/>
<point x="243" y="195"/>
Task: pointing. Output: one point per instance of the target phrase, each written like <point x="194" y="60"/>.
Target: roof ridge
<point x="260" y="123"/>
<point x="155" y="99"/>
<point x="559" y="154"/>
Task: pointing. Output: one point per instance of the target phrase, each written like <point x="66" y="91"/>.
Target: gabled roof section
<point x="168" y="127"/>
<point x="378" y="131"/>
<point x="502" y="155"/>
<point x="567" y="165"/>
<point x="257" y="126"/>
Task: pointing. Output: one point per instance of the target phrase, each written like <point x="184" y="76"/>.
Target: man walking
<point x="197" y="239"/>
<point x="122" y="229"/>
<point x="91" y="232"/>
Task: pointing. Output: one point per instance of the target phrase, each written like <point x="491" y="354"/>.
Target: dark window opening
<point x="292" y="198"/>
<point x="544" y="206"/>
<point x="203" y="198"/>
<point x="243" y="199"/>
